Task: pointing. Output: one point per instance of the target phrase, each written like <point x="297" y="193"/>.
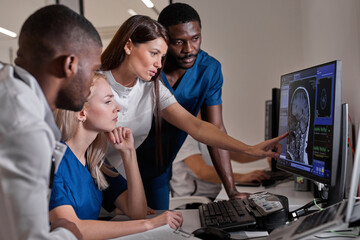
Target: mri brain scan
<point x="323" y="108"/>
<point x="323" y="99"/>
<point x="299" y="121"/>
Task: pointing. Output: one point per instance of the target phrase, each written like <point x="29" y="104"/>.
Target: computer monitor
<point x="272" y="119"/>
<point x="310" y="110"/>
<point x="275" y="99"/>
<point x="268" y="119"/>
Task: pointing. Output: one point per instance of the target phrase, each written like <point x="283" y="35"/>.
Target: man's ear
<point x="71" y="64"/>
<point x="128" y="47"/>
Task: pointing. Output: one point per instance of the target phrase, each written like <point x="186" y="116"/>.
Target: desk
<point x="190" y="216"/>
<point x="297" y="199"/>
<point x="192" y="222"/>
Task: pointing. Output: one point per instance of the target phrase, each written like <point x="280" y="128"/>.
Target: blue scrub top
<point x="200" y="86"/>
<point x="73" y="185"/>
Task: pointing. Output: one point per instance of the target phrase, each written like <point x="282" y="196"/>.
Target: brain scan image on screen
<point x="323" y="108"/>
<point x="298" y="125"/>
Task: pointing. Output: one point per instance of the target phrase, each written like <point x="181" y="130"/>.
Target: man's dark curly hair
<point x="178" y="13"/>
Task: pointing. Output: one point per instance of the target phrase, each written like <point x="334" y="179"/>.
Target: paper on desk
<point x="248" y="234"/>
<point x="161" y="233"/>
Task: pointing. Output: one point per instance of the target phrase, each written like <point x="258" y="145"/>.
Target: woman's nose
<point x="157" y="64"/>
<point x="117" y="108"/>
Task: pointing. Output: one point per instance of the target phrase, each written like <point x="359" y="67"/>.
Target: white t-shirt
<point x="184" y="182"/>
<point x="137" y="109"/>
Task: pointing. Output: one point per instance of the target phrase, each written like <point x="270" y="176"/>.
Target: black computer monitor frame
<point x="334" y="183"/>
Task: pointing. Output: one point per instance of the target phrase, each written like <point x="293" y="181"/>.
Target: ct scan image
<point x="300" y="120"/>
<point x="323" y="108"/>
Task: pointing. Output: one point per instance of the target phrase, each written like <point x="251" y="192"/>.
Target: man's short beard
<point x="179" y="65"/>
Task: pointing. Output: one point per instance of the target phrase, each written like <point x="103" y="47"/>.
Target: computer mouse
<point x="211" y="233"/>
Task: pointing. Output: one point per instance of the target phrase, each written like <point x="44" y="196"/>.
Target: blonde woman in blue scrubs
<point x="78" y="184"/>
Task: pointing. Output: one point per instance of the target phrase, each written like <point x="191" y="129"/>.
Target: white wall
<point x="332" y="32"/>
<point x="12" y="15"/>
<point x="259" y="40"/>
<point x="8" y="49"/>
<point x="255" y="40"/>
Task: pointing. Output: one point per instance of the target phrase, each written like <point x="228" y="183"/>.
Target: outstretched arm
<point x="211" y="135"/>
<point x="242" y="157"/>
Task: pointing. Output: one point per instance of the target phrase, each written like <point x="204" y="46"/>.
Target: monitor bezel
<point x="336" y="129"/>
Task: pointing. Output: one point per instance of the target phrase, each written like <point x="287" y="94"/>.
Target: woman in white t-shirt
<point x="132" y="63"/>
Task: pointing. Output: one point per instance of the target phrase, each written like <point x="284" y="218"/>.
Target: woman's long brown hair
<point x="140" y="29"/>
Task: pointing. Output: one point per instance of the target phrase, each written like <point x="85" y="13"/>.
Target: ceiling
<point x="108" y="18"/>
<point x="106" y="15"/>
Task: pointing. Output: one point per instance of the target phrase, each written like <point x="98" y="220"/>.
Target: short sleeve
<point x="213" y="96"/>
<point x="117" y="185"/>
<point x="59" y="195"/>
<point x="166" y="97"/>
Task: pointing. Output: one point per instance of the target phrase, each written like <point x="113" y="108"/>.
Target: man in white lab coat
<point x="58" y="53"/>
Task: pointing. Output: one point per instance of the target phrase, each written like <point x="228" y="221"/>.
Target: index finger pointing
<point x="277" y="139"/>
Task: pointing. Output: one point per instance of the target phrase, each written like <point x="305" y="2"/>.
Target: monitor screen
<point x="310" y="110"/>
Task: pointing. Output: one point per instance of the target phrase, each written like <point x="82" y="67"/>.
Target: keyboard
<point x="275" y="176"/>
<point x="278" y="175"/>
<point x="259" y="211"/>
<point x="227" y="215"/>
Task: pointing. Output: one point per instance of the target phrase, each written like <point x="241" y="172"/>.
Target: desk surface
<point x="191" y="220"/>
<point x="297" y="199"/>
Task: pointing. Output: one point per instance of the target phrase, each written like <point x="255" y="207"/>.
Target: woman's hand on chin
<point x="121" y="138"/>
